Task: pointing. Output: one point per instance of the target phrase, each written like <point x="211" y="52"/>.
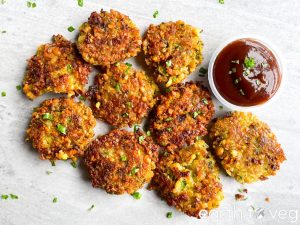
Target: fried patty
<point x="56" y="67"/>
<point x="173" y="49"/>
<point x="121" y="161"/>
<point x="61" y="129"/>
<point x="182" y="115"/>
<point x="189" y="179"/>
<point x="122" y="96"/>
<point x="246" y="147"/>
<point x="108" y="37"/>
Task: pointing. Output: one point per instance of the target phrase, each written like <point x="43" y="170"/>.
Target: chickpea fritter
<point x="108" y="37"/>
<point x="246" y="146"/>
<point x="121" y="161"/>
<point x="189" y="179"/>
<point x="56" y="67"/>
<point x="122" y="96"/>
<point x="174" y="50"/>
<point x="61" y="129"/>
<point x="182" y="115"/>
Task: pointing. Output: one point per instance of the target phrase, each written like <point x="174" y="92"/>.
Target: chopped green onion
<point x="48" y="172"/>
<point x="205" y="101"/>
<point x="74" y="164"/>
<point x="148" y="133"/>
<point x="202" y="71"/>
<point x="249" y="62"/>
<point x="155" y="14"/>
<point x="47" y="116"/>
<point x="92" y="206"/>
<point x="169" y="63"/>
<point x="125" y="115"/>
<point x="168" y="119"/>
<point x="128" y="64"/>
<point x="69" y="68"/>
<point x="221" y="107"/>
<point x="54" y="200"/>
<point x="169" y="215"/>
<point x="71" y="28"/>
<point x="135" y="128"/>
<point x="183" y="184"/>
<point x="136" y="195"/>
<point x="61" y="128"/>
<point x="5" y="197"/>
<point x="129" y="104"/>
<point x="33" y="5"/>
<point x="169" y="129"/>
<point x="118" y="87"/>
<point x="141" y="139"/>
<point x="52" y="162"/>
<point x="81" y="98"/>
<point x="3" y="32"/>
<point x="123" y="158"/>
<point x="134" y="170"/>
<point x="3" y="93"/>
<point x="12" y="196"/>
<point x="19" y="87"/>
<point x="198" y="138"/>
<point x="221" y="1"/>
<point x="195" y="114"/>
<point x="80" y="3"/>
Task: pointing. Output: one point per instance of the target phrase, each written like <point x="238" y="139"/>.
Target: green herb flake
<point x="148" y="133"/>
<point x="47" y="116"/>
<point x="3" y="32"/>
<point x="118" y="87"/>
<point x="3" y="93"/>
<point x="129" y="104"/>
<point x="169" y="63"/>
<point x="222" y="1"/>
<point x="155" y="14"/>
<point x="221" y="107"/>
<point x="198" y="138"/>
<point x="4" y="197"/>
<point x="169" y="129"/>
<point x="69" y="68"/>
<point x="61" y="128"/>
<point x="80" y="3"/>
<point x="135" y="128"/>
<point x="54" y="200"/>
<point x="202" y="71"/>
<point x="48" y="172"/>
<point x="81" y="98"/>
<point x="71" y="28"/>
<point x="249" y="62"/>
<point x="92" y="206"/>
<point x="183" y="184"/>
<point x="123" y="158"/>
<point x="52" y="163"/>
<point x="195" y="114"/>
<point x="168" y="119"/>
<point x="134" y="170"/>
<point x="12" y="196"/>
<point x="141" y="139"/>
<point x="169" y="215"/>
<point x="19" y="87"/>
<point x="73" y="164"/>
<point x="29" y="4"/>
<point x="205" y="101"/>
<point x="128" y="64"/>
<point x="136" y="195"/>
<point x="125" y="115"/>
<point x="2" y="2"/>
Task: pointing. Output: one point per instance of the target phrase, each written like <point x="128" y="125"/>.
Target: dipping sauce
<point x="246" y="73"/>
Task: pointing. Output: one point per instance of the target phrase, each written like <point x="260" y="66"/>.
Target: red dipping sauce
<point x="246" y="73"/>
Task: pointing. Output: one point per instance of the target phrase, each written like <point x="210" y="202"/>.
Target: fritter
<point x="122" y="96"/>
<point x="108" y="37"/>
<point x="56" y="67"/>
<point x="174" y="50"/>
<point x="246" y="147"/>
<point x="189" y="179"/>
<point x="121" y="161"/>
<point x="182" y="115"/>
<point x="61" y="129"/>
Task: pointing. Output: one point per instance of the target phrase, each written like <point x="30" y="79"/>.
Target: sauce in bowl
<point x="246" y="73"/>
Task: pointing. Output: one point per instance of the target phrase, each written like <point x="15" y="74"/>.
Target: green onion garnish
<point x="71" y="28"/>
<point x="61" y="128"/>
<point x="54" y="200"/>
<point x="19" y="87"/>
<point x="155" y="14"/>
<point x="47" y="116"/>
<point x="136" y="195"/>
<point x="80" y="3"/>
<point x="169" y="215"/>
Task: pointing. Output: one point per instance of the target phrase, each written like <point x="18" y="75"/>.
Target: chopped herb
<point x="168" y="119"/>
<point x="81" y="98"/>
<point x="52" y="162"/>
<point x="125" y="115"/>
<point x="129" y="104"/>
<point x="48" y="172"/>
<point x="80" y="3"/>
<point x="12" y="196"/>
<point x="135" y="128"/>
<point x="183" y="184"/>
<point x="90" y="209"/>
<point x="136" y="195"/>
<point x="31" y="4"/>
<point x="128" y="64"/>
<point x="202" y="71"/>
<point x="69" y="68"/>
<point x="166" y="153"/>
<point x="118" y="87"/>
<point x="71" y="28"/>
<point x="74" y="164"/>
<point x="148" y="133"/>
<point x="246" y="72"/>
<point x="169" y="215"/>
<point x="242" y="92"/>
<point x="117" y="64"/>
<point x="134" y="170"/>
<point x="169" y="63"/>
<point x="221" y="1"/>
<point x="205" y="102"/>
<point x="257" y="82"/>
<point x="141" y="139"/>
<point x="5" y="197"/>
<point x="235" y="61"/>
<point x="3" y="32"/>
<point x="19" y="87"/>
<point x="47" y="116"/>
<point x="233" y="70"/>
<point x="169" y="129"/>
<point x="221" y="107"/>
<point x="155" y="14"/>
<point x="123" y="158"/>
<point x="198" y="138"/>
<point x="195" y="114"/>
<point x="61" y="128"/>
<point x="249" y="62"/>
<point x="54" y="200"/>
<point x="2" y="2"/>
<point x="3" y="93"/>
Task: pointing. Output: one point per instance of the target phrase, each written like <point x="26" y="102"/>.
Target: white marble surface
<point x="22" y="173"/>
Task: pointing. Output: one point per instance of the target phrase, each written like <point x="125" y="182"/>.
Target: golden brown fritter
<point x="182" y="115"/>
<point x="121" y="161"/>
<point x="174" y="50"/>
<point x="61" y="129"/>
<point x="108" y="37"/>
<point x="246" y="146"/>
<point x="189" y="179"/>
<point x="122" y="96"/>
<point x="56" y="67"/>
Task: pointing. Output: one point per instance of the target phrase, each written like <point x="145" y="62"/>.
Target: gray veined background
<point x="22" y="173"/>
